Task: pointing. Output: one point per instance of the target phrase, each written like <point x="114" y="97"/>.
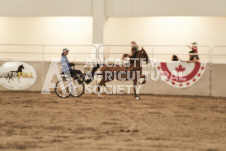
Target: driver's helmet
<point x="65" y="50"/>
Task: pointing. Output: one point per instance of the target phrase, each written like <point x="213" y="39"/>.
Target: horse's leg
<point x="106" y="87"/>
<point x="102" y="82"/>
<point x="9" y="78"/>
<point x="144" y="77"/>
<point x="18" y="78"/>
<point x="134" y="88"/>
<point x="12" y="78"/>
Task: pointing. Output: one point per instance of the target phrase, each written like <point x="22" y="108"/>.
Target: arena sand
<point x="31" y="121"/>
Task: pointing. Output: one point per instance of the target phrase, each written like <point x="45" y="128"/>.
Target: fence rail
<point x="43" y="53"/>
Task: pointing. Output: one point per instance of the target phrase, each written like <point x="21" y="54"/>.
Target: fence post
<point x="210" y="66"/>
<point x="43" y="59"/>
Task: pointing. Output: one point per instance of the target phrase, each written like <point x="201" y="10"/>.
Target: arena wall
<point x="212" y="82"/>
<point x="218" y="80"/>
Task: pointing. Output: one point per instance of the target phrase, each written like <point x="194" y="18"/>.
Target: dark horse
<point x="12" y="74"/>
<point x="134" y="70"/>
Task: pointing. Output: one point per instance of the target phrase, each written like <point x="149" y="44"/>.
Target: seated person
<point x="66" y="66"/>
<point x="174" y="58"/>
<point x="193" y="58"/>
<point x="194" y="47"/>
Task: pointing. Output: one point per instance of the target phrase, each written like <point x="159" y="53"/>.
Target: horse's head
<point x="143" y="54"/>
<point x="20" y="68"/>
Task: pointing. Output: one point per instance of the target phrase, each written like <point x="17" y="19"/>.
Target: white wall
<point x="45" y="8"/>
<point x="129" y="8"/>
<point x="156" y="29"/>
<point x="113" y="8"/>
<point x="209" y="31"/>
<point x="46" y="30"/>
<point x="166" y="30"/>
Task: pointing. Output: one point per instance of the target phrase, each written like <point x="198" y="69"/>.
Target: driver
<point x="66" y="68"/>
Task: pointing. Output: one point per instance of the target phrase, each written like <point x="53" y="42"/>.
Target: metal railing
<point x="218" y="52"/>
<point x="161" y="53"/>
<point x="43" y="53"/>
<point x="154" y="51"/>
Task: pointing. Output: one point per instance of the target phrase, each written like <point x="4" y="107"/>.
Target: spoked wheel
<point x="62" y="88"/>
<point x="78" y="88"/>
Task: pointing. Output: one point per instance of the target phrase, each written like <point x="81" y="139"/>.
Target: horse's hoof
<point x="101" y="97"/>
<point x="143" y="82"/>
<point x="137" y="98"/>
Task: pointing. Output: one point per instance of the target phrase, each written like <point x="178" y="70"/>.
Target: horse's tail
<point x="95" y="68"/>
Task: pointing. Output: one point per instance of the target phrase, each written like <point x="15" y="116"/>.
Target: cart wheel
<point x="78" y="88"/>
<point x="62" y="88"/>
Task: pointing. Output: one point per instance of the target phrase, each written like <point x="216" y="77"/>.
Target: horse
<point x="135" y="66"/>
<point x="13" y="74"/>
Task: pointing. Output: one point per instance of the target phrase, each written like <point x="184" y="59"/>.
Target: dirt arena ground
<point x="31" y="121"/>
